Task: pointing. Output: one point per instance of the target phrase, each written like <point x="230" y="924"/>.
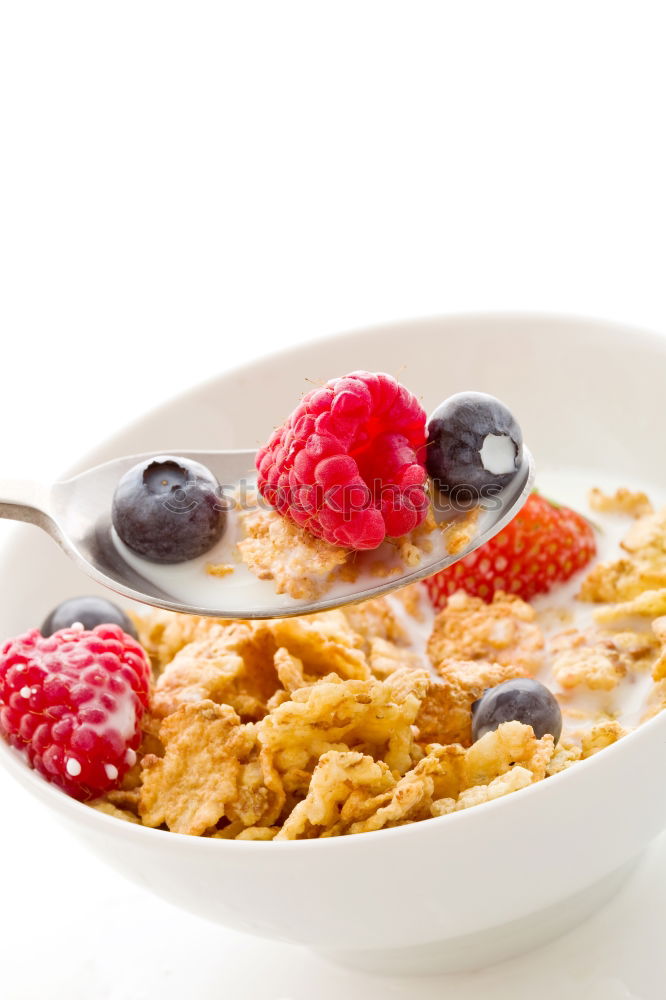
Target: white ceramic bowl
<point x="462" y="890"/>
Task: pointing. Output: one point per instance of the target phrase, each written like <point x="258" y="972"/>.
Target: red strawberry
<point x="545" y="544"/>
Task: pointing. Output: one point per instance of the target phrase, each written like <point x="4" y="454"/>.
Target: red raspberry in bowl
<point x="73" y="703"/>
<point x="347" y="465"/>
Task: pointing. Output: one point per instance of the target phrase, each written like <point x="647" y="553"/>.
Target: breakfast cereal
<point x="342" y="723"/>
<point x="363" y="718"/>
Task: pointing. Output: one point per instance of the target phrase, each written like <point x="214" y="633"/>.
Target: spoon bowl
<point x="76" y="512"/>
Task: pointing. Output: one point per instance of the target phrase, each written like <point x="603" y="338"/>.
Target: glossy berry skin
<point x="522" y="700"/>
<point x="545" y="544"/>
<point x="474" y="442"/>
<point x="72" y="703"/>
<point x="90" y="612"/>
<point x="347" y="464"/>
<point x="168" y="509"/>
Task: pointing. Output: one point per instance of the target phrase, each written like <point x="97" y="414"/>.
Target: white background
<point x="184" y="186"/>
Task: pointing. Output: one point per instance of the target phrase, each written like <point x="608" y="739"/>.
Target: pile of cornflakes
<point x="340" y="722"/>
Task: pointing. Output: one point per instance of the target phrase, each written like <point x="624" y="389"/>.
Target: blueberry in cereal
<point x="521" y="699"/>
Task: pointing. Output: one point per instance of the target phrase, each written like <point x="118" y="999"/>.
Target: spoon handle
<point x="22" y="500"/>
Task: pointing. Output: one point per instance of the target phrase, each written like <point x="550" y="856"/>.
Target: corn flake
<point x="385" y="658"/>
<point x="372" y="620"/>
<point x="600" y="737"/>
<point x="325" y="642"/>
<point x="504" y="632"/>
<point x="163" y="633"/>
<point x="623" y="501"/>
<point x="338" y="777"/>
<point x="588" y="660"/>
<point x="642" y="569"/>
<point x="373" y="717"/>
<point x="566" y="753"/>
<point x="459" y="534"/>
<point x="647" y="604"/>
<point x="512" y="781"/>
<point x="232" y="665"/>
<point x="103" y="806"/>
<point x="277" y="549"/>
<point x="212" y="769"/>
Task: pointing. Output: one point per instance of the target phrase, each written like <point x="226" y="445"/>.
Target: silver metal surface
<point x="77" y="514"/>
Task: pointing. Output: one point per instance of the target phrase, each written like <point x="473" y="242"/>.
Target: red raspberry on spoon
<point x="73" y="703"/>
<point x="347" y="464"/>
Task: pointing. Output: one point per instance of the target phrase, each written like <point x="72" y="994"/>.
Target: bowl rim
<point x="23" y="773"/>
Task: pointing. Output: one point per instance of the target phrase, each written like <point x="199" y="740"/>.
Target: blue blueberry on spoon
<point x="521" y="699"/>
<point x="474" y="441"/>
<point x="169" y="509"/>
<point x="90" y="612"/>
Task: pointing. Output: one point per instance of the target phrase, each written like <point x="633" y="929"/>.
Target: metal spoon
<point x="77" y="514"/>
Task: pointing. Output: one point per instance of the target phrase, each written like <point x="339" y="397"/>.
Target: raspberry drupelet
<point x="347" y="465"/>
<point x="73" y="703"/>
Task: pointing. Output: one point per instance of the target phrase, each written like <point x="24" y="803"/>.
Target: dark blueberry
<point x="169" y="509"/>
<point x="521" y="700"/>
<point x="90" y="611"/>
<point x="474" y="441"/>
